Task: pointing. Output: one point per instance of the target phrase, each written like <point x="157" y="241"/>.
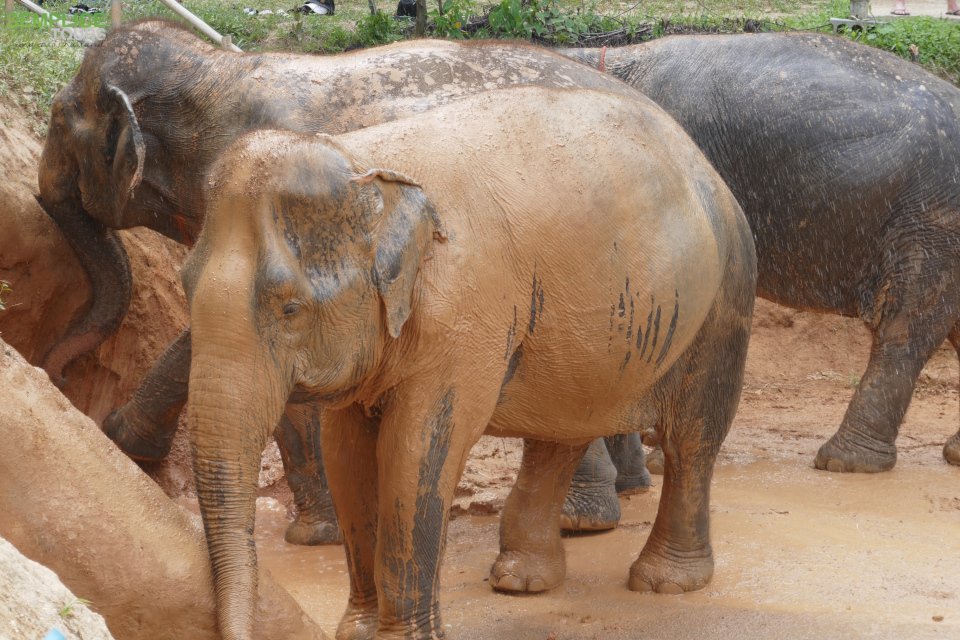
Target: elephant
<point x="133" y="135"/>
<point x="423" y="281"/>
<point x="846" y="161"/>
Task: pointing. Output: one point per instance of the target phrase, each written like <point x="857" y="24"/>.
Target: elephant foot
<point x="129" y="427"/>
<point x="524" y="572"/>
<point x="655" y="461"/>
<point x="858" y="454"/>
<point x="308" y="534"/>
<point x="358" y="624"/>
<point x="951" y="450"/>
<point x="662" y="571"/>
<point x="629" y="484"/>
<point x="590" y="508"/>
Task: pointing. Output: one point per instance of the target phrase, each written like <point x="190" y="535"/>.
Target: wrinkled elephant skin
<point x="131" y="140"/>
<point x="846" y="161"/>
<point x="430" y="279"/>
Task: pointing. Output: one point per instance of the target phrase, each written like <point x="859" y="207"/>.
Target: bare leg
<point x="350" y="457"/>
<point x="298" y="438"/>
<point x="916" y="314"/>
<point x="626" y="452"/>
<point x="426" y="431"/>
<point x="144" y="427"/>
<point x="951" y="450"/>
<point x="531" y="552"/>
<point x="696" y="401"/>
<point x="591" y="503"/>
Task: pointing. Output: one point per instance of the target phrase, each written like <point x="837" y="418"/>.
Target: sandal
<point x="953" y="13"/>
<point x="900" y="12"/>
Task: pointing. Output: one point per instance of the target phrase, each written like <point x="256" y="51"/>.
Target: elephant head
<point x="103" y="168"/>
<point x="92" y="162"/>
<point x="303" y="275"/>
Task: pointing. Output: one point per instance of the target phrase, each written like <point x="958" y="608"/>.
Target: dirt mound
<point x="50" y="289"/>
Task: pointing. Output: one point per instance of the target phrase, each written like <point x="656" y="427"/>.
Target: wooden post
<point x="421" y="28"/>
<point x="860" y="9"/>
<point x="226" y="42"/>
<point x="116" y="12"/>
<point x="373" y="7"/>
<point x="7" y="12"/>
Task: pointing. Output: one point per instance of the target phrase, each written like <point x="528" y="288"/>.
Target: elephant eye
<point x="291" y="308"/>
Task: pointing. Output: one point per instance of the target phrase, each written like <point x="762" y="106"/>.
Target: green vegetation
<point x="34" y="63"/>
<point x="4" y="289"/>
<point x="67" y="610"/>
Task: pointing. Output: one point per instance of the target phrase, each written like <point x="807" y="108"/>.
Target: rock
<point x="33" y="602"/>
<point x="72" y="501"/>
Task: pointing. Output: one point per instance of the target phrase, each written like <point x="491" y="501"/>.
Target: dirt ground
<point x="800" y="553"/>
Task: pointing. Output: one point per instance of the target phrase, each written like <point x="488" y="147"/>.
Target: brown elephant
<point x="133" y="135"/>
<point x="420" y="282"/>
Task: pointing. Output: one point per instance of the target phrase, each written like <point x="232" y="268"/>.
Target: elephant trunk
<point x="235" y="401"/>
<point x="102" y="255"/>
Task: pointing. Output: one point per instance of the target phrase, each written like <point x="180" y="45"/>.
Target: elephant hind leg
<point x="695" y="402"/>
<point x="916" y="314"/>
<point x="531" y="553"/>
<point x="951" y="450"/>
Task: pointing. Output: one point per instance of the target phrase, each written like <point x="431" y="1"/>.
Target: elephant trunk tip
<point x="62" y="354"/>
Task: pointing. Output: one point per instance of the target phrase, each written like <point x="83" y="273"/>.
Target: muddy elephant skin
<point x="846" y="161"/>
<point x="430" y="279"/>
<point x="134" y="133"/>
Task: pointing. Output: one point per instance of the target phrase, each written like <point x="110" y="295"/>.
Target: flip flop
<point x="900" y="12"/>
<point x="953" y="13"/>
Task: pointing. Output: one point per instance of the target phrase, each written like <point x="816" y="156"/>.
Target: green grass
<point x="33" y="64"/>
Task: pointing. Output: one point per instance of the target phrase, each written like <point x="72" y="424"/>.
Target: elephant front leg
<point x="350" y="457"/>
<point x="591" y="503"/>
<point x="951" y="450"/>
<point x="144" y="427"/>
<point x="531" y="552"/>
<point x="298" y="438"/>
<point x="425" y="435"/>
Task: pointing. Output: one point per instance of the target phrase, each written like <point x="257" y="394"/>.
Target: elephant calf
<point x="530" y="262"/>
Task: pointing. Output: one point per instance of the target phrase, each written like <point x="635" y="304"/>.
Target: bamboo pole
<point x="116" y="12"/>
<point x="41" y="11"/>
<point x="202" y="26"/>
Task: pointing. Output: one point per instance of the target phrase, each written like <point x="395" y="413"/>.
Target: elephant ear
<point x="124" y="147"/>
<point x="403" y="238"/>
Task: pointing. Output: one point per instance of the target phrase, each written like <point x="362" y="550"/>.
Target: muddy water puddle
<point x="800" y="554"/>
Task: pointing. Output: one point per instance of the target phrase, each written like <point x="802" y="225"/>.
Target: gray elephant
<point x="133" y="135"/>
<point x="423" y="281"/>
<point x="846" y="161"/>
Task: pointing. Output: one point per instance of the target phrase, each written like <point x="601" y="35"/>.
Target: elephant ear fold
<point x="402" y="240"/>
<point x="124" y="145"/>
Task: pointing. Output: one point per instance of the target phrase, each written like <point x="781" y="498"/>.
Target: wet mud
<point x="800" y="553"/>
